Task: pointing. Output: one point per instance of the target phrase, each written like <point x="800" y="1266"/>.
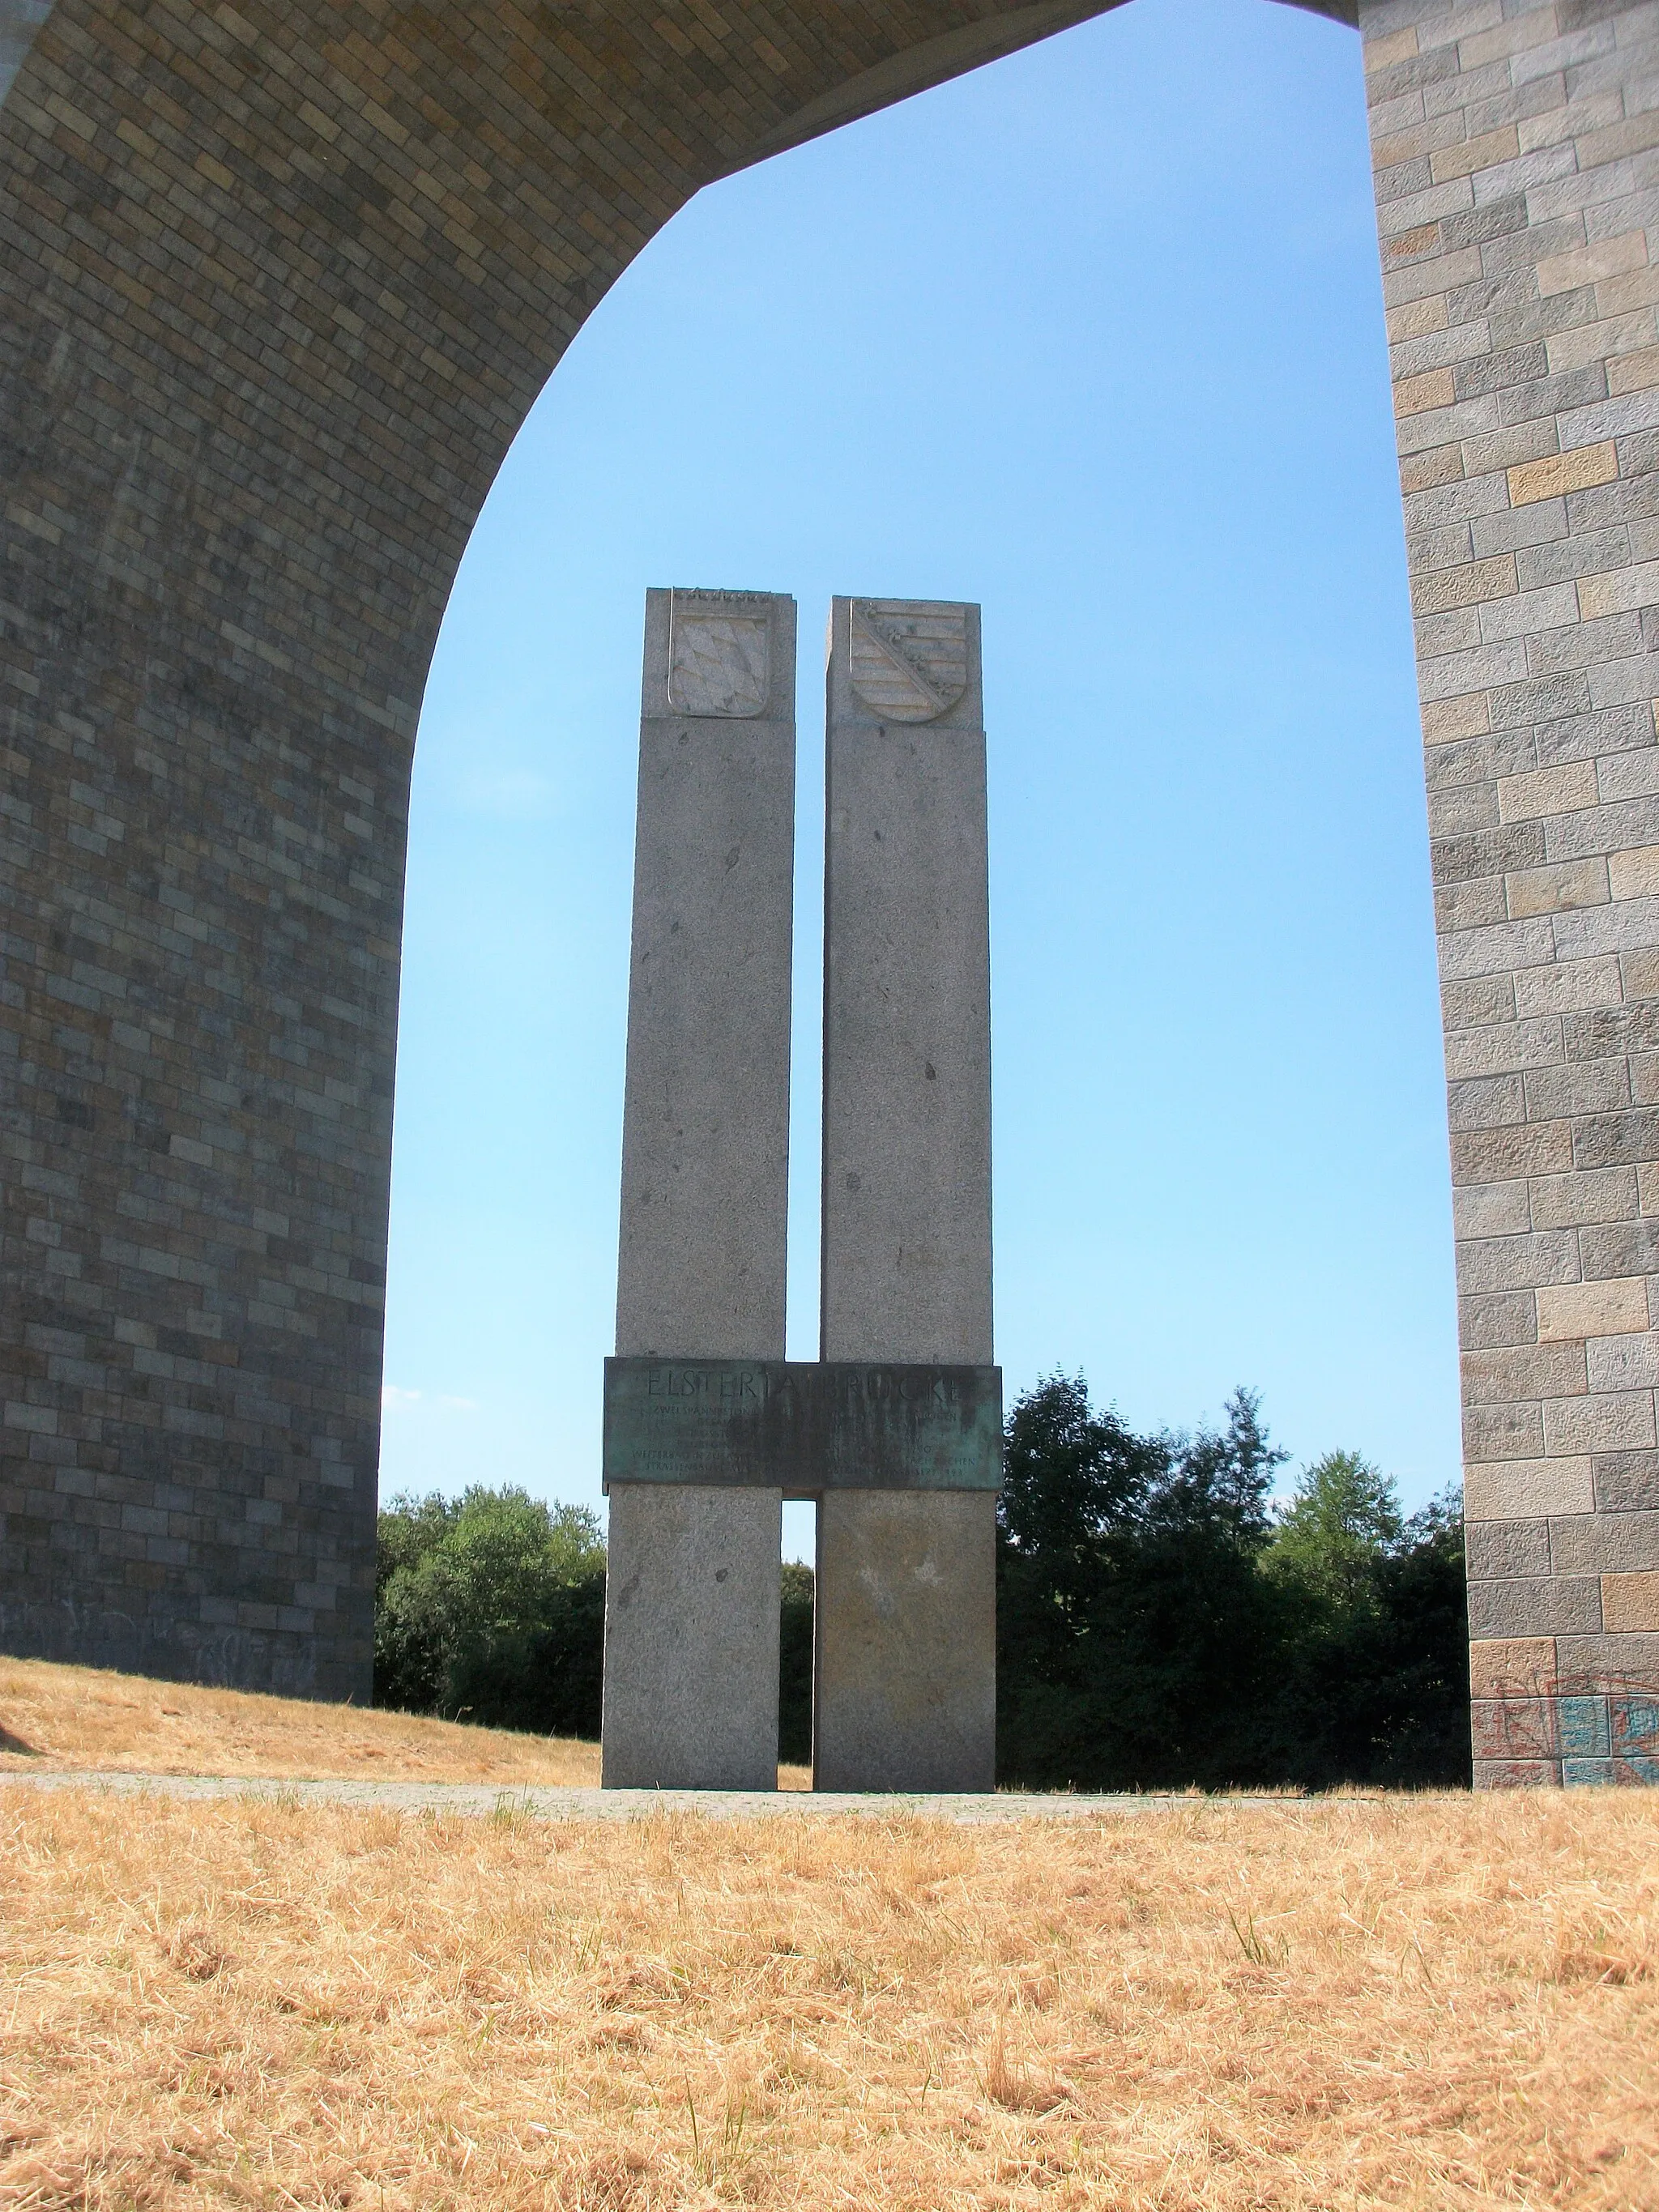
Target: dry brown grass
<point x="1434" y="2002"/>
<point x="87" y="1717"/>
<point x="82" y="1717"/>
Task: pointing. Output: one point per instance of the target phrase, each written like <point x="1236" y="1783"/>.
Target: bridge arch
<point x="282" y="279"/>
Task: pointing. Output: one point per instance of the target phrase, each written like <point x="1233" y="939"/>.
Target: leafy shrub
<point x="490" y="1607"/>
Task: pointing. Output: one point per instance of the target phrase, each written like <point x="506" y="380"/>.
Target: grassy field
<point x="1432" y="2001"/>
<point x="84" y="1717"/>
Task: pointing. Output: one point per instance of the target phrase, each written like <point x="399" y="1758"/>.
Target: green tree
<point x="1071" y="1474"/>
<point x="490" y="1607"/>
<point x="1342" y="1520"/>
<point x="1376" y="1670"/>
<point x="1135" y="1634"/>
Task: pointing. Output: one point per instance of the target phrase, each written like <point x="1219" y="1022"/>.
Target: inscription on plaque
<point x="803" y="1426"/>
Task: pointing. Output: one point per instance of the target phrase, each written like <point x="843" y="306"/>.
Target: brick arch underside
<point x="281" y="283"/>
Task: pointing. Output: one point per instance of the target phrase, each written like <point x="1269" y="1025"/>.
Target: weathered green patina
<point x="803" y="1426"/>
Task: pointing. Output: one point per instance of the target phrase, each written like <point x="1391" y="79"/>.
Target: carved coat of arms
<point x="719" y="655"/>
<point x="908" y="657"/>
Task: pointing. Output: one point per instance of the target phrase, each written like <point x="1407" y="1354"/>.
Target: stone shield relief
<point x="719" y="655"/>
<point x="909" y="658"/>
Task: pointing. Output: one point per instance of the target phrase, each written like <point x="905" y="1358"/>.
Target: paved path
<point x="548" y="1803"/>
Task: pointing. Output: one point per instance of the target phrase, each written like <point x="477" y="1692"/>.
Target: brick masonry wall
<point x="1517" y="152"/>
<point x="18" y="21"/>
<point x="280" y="283"/>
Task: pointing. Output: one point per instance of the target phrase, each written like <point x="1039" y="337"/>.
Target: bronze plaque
<point x="803" y="1426"/>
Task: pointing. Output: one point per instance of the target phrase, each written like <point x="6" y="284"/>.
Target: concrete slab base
<point x="904" y="1694"/>
<point x="691" y="1639"/>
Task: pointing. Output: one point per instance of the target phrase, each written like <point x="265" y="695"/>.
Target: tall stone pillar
<point x="905" y="1692"/>
<point x="691" y="1600"/>
<point x="1517" y="154"/>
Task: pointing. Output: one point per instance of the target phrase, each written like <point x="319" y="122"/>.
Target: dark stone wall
<point x="280" y="283"/>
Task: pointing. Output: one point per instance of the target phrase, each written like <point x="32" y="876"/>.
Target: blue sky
<point x="1093" y="337"/>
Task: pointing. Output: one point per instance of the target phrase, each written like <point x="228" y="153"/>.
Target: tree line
<point x="1161" y="1623"/>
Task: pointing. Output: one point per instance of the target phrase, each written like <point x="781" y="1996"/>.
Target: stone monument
<point x="691" y="1603"/>
<point x="905" y="1675"/>
<point x="897" y="1432"/>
